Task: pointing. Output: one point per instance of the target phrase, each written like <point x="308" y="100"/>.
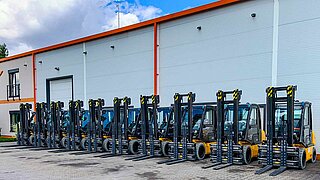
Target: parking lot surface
<point x="18" y="162"/>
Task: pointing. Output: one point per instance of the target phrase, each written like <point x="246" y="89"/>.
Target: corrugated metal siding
<point x="299" y="51"/>
<point x="233" y="50"/>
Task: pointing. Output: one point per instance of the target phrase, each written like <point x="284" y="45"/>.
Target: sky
<point x="32" y="24"/>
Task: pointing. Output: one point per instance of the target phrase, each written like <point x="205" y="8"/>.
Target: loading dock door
<point x="61" y="90"/>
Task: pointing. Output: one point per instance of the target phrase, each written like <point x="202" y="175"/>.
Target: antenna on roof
<point x="118" y="2"/>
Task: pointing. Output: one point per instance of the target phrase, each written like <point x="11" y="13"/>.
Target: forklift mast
<point x="121" y="105"/>
<point x="233" y="136"/>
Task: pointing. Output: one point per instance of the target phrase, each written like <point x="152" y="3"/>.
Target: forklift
<point x="239" y="131"/>
<point x="149" y="144"/>
<point x="74" y="134"/>
<point x="26" y="126"/>
<point x="59" y="124"/>
<point x="107" y="120"/>
<point x="42" y="125"/>
<point x="197" y="123"/>
<point x="290" y="137"/>
<point x="165" y="130"/>
<point x="100" y="125"/>
<point x="122" y="141"/>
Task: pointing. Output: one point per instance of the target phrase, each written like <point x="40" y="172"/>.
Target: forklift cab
<point x="204" y="127"/>
<point x="134" y="121"/>
<point x="302" y="131"/>
<point x="107" y="117"/>
<point x="249" y="128"/>
<point x="165" y="121"/>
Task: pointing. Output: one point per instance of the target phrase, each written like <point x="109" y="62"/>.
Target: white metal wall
<point x="26" y="85"/>
<point x="126" y="70"/>
<point x="69" y="61"/>
<point x="232" y="50"/>
<point x="299" y="51"/>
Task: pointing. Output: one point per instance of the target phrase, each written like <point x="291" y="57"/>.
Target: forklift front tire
<point x="302" y="159"/>
<point x="247" y="155"/>
<point x="314" y="155"/>
<point x="165" y="148"/>
<point x="133" y="147"/>
<point x="64" y="142"/>
<point x="31" y="139"/>
<point x="106" y="145"/>
<point x="84" y="143"/>
<point x="200" y="151"/>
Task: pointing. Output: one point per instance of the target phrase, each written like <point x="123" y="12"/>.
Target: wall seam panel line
<point x="275" y="42"/>
<point x="84" y="75"/>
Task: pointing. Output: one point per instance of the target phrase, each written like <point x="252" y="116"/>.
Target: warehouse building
<point x="227" y="44"/>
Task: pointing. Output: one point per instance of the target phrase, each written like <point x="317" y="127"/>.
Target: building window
<point x="14" y="119"/>
<point x="13" y="88"/>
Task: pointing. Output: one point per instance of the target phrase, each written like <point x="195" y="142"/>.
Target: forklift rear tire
<point x="247" y="155"/>
<point x="165" y="148"/>
<point x="64" y="142"/>
<point x="200" y="151"/>
<point x="106" y="145"/>
<point x="314" y="155"/>
<point x="133" y="147"/>
<point x="31" y="140"/>
<point x="84" y="143"/>
<point x="302" y="159"/>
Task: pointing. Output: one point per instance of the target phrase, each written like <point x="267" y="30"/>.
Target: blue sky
<point x="23" y="29"/>
<point x="171" y="6"/>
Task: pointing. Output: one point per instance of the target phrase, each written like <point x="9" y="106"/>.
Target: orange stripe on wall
<point x="318" y="157"/>
<point x="23" y="100"/>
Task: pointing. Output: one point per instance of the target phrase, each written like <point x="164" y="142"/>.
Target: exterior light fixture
<point x="85" y="52"/>
<point x="112" y="46"/>
<point x="40" y="62"/>
<point x="57" y="68"/>
<point x="199" y="28"/>
<point x="253" y="15"/>
<point x="25" y="64"/>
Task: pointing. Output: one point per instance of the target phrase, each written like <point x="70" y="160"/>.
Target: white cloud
<point x="29" y="24"/>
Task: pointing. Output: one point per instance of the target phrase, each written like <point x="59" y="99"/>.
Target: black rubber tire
<point x="31" y="140"/>
<point x="302" y="159"/>
<point x="200" y="151"/>
<point x="64" y="142"/>
<point x="246" y="152"/>
<point x="84" y="143"/>
<point x="314" y="155"/>
<point x="165" y="148"/>
<point x="133" y="147"/>
<point x="106" y="145"/>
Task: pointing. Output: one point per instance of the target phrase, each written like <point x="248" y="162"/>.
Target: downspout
<point x="34" y="80"/>
<point x="84" y="76"/>
<point x="155" y="59"/>
<point x="275" y="45"/>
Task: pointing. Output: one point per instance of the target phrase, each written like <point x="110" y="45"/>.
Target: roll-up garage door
<point x="61" y="90"/>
